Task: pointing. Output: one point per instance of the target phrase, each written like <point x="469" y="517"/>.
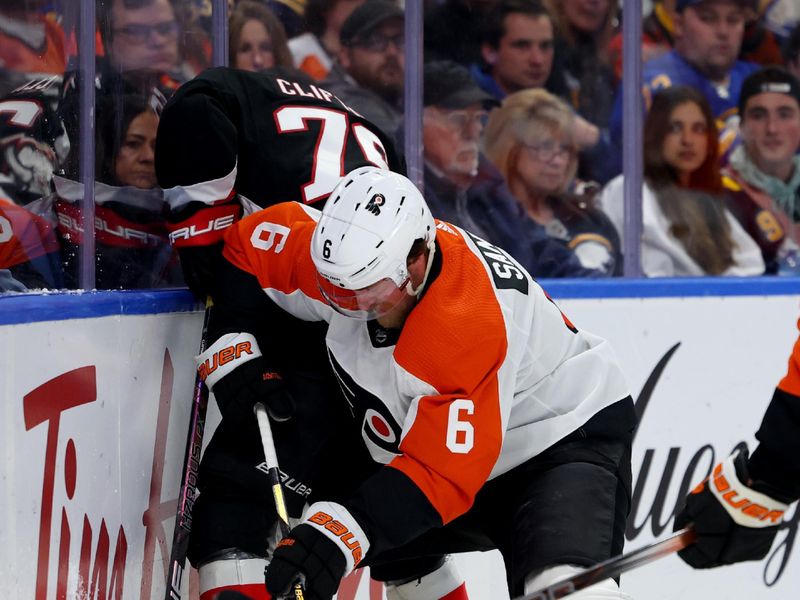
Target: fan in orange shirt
<point x="30" y="41"/>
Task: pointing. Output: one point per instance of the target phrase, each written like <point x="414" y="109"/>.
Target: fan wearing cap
<point x="465" y="384"/>
<point x="708" y="38"/>
<point x="764" y="171"/>
<point x="368" y="74"/>
<point x="463" y="187"/>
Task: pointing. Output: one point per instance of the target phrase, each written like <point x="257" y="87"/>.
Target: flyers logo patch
<point x="375" y="203"/>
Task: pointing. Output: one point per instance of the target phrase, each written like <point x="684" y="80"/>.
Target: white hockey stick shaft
<point x="271" y="458"/>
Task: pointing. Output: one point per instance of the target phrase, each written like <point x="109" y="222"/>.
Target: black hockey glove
<point x="734" y="521"/>
<point x="254" y="381"/>
<point x="237" y="373"/>
<point x="328" y="545"/>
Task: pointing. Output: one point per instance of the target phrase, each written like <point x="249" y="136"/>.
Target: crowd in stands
<point x="522" y="126"/>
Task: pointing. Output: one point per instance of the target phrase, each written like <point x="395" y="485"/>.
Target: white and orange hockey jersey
<point x="485" y="373"/>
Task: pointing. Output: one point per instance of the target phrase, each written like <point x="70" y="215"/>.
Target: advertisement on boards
<point x="95" y="415"/>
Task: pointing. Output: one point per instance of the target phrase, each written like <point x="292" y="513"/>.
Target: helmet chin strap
<point x="410" y="290"/>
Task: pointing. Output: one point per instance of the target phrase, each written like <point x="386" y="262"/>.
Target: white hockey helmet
<point x="361" y="244"/>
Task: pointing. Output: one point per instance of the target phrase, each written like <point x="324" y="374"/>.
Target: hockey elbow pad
<point x="235" y="370"/>
<point x="734" y="521"/>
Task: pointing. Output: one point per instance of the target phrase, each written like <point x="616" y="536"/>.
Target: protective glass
<point x="140" y="34"/>
<point x="367" y="303"/>
<point x="378" y="42"/>
<point x="546" y="151"/>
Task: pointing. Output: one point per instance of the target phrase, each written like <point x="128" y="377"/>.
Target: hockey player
<point x="230" y="142"/>
<point x="489" y="419"/>
<point x="737" y="511"/>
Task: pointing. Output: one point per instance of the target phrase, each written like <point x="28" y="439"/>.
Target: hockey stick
<point x="614" y="566"/>
<point x="191" y="463"/>
<point x="271" y="458"/>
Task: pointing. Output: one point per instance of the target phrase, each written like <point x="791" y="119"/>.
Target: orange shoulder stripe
<point x="274" y="245"/>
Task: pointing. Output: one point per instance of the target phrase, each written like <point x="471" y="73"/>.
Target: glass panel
<point x="33" y="144"/>
<point x="526" y="177"/>
<point x="145" y="50"/>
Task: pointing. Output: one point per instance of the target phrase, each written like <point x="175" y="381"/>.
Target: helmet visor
<point x="367" y="303"/>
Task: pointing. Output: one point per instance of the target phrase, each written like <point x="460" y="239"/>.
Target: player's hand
<point x="328" y="545"/>
<point x="238" y="374"/>
<point x="254" y="381"/>
<point x="734" y="522"/>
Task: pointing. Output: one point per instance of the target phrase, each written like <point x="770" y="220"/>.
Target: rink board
<point x="95" y="398"/>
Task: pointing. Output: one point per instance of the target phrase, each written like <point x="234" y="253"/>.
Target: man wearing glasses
<point x="140" y="35"/>
<point x="368" y="75"/>
<point x="462" y="187"/>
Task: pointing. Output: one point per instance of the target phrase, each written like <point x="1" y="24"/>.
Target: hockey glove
<point x="234" y="369"/>
<point x="734" y="521"/>
<point x="323" y="549"/>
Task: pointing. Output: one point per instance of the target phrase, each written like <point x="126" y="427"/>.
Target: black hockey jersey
<point x="229" y="134"/>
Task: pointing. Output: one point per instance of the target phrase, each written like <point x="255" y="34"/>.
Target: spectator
<point x="517" y="46"/>
<point x="708" y="38"/>
<point x="32" y="145"/>
<point x="368" y="75"/>
<point x="657" y="36"/>
<point x="764" y="172"/>
<point x="257" y="38"/>
<point x="140" y="35"/>
<point x="132" y="249"/>
<point x="289" y="13"/>
<point x="760" y="45"/>
<point x="30" y="41"/>
<point x="517" y="54"/>
<point x="530" y="140"/>
<point x="584" y="29"/>
<point x="686" y="228"/>
<point x="315" y="50"/>
<point x="791" y="52"/>
<point x="452" y="29"/>
<point x="463" y="188"/>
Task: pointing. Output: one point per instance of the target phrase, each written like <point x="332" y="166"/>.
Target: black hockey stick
<point x="614" y="566"/>
<point x="191" y="463"/>
<point x="271" y="458"/>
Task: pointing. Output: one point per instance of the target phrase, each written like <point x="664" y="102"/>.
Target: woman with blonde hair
<point x="257" y="38"/>
<point x="686" y="228"/>
<point x="530" y="139"/>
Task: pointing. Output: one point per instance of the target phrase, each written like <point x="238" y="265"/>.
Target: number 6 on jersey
<point x="460" y="433"/>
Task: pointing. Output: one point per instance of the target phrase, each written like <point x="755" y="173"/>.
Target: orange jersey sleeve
<point x="455" y="437"/>
<point x="791" y="382"/>
<point x="274" y="245"/>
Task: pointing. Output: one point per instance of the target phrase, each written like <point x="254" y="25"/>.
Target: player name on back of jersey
<point x="294" y="88"/>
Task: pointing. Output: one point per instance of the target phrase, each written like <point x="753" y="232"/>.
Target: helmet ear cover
<point x="362" y="241"/>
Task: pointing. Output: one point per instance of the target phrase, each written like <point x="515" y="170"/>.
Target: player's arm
<point x="775" y="458"/>
<point x="234" y="366"/>
<point x="738" y="510"/>
<point x="195" y="161"/>
<point x="448" y="452"/>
